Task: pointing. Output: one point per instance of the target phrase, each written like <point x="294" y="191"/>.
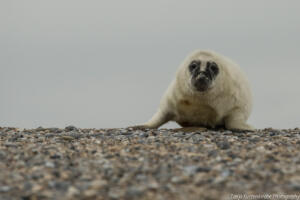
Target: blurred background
<point x="102" y="64"/>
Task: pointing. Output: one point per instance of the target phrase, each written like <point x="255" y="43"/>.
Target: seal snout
<point x="202" y="78"/>
<point x="201" y="82"/>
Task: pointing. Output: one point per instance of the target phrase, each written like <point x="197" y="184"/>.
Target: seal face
<point x="203" y="74"/>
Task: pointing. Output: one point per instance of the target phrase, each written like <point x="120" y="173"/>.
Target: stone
<point x="49" y="164"/>
<point x="71" y="128"/>
<point x="223" y="144"/>
<point x="5" y="188"/>
<point x="135" y="191"/>
<point x="72" y="191"/>
<point x="116" y="193"/>
<point x="179" y="179"/>
<point x="193" y="169"/>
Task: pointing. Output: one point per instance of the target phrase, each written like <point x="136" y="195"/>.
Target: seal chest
<point x="196" y="115"/>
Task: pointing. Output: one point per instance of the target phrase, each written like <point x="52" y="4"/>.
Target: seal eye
<point x="214" y="67"/>
<point x="194" y="64"/>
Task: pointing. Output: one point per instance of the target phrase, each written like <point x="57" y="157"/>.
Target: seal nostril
<point x="202" y="79"/>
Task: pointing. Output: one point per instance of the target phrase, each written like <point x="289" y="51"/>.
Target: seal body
<point x="209" y="90"/>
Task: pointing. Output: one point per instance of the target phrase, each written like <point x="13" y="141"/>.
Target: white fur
<point x="228" y="102"/>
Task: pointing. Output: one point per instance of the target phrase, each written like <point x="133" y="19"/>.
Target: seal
<point x="209" y="91"/>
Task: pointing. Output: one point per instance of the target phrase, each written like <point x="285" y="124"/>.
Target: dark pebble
<point x="223" y="145"/>
<point x="71" y="128"/>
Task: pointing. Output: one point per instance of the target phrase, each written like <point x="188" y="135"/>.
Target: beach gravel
<point x="75" y="163"/>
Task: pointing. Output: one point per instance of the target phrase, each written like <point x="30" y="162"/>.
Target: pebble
<point x="135" y="191"/>
<point x="143" y="134"/>
<point x="10" y="144"/>
<point x="126" y="133"/>
<point x="55" y="130"/>
<point x="49" y="164"/>
<point x="4" y="189"/>
<point x="66" y="137"/>
<point x="153" y="185"/>
<point x="223" y="144"/>
<point x="71" y="128"/>
<point x="115" y="193"/>
<point x="2" y="155"/>
<point x="192" y="169"/>
<point x="179" y="179"/>
<point x="98" y="184"/>
<point x="40" y="128"/>
<point x="72" y="191"/>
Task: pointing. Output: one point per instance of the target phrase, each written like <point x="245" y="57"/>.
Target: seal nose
<point x="202" y="78"/>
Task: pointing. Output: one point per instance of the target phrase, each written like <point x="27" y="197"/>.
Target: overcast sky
<point x="102" y="64"/>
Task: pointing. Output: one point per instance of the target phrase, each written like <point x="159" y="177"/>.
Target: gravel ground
<point x="73" y="163"/>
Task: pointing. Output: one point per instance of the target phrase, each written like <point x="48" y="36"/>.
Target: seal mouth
<point x="202" y="89"/>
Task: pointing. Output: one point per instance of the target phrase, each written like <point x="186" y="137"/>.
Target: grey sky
<point x="107" y="63"/>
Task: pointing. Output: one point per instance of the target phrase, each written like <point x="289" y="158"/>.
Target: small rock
<point x="50" y="135"/>
<point x="49" y="164"/>
<point x="227" y="132"/>
<point x="71" y="128"/>
<point x="98" y="183"/>
<point x="59" y="185"/>
<point x="66" y="137"/>
<point x="151" y="138"/>
<point x="254" y="138"/>
<point x="2" y="155"/>
<point x="294" y="186"/>
<point x="223" y="144"/>
<point x="27" y="186"/>
<point x="153" y="185"/>
<point x="192" y="169"/>
<point x="55" y="156"/>
<point x="36" y="188"/>
<point x="90" y="193"/>
<point x="178" y="134"/>
<point x="143" y="134"/>
<point x="4" y="188"/>
<point x="126" y="132"/>
<point x="179" y="179"/>
<point x="115" y="193"/>
<point x="225" y="173"/>
<point x="9" y="144"/>
<point x="261" y="149"/>
<point x="135" y="191"/>
<point x="55" y="130"/>
<point x="213" y="153"/>
<point x="72" y="191"/>
<point x="141" y="177"/>
<point x="40" y="128"/>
